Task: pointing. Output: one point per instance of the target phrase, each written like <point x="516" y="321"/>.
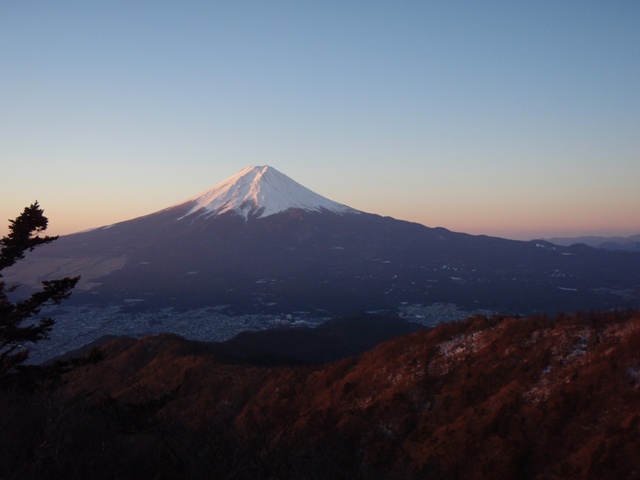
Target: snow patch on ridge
<point x="261" y="191"/>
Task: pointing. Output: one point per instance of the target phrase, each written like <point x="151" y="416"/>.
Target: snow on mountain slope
<point x="261" y="191"/>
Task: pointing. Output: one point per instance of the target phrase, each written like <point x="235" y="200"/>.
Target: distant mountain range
<point x="629" y="244"/>
<point x="261" y="242"/>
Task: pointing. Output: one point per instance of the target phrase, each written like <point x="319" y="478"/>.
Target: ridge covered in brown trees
<point x="537" y="397"/>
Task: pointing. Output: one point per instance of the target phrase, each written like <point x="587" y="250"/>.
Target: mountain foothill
<point x="489" y="397"/>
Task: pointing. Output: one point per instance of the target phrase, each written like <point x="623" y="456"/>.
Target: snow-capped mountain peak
<point x="261" y="191"/>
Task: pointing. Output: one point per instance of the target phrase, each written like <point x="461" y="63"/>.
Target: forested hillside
<point x="538" y="397"/>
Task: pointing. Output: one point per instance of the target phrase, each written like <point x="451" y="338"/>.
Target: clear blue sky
<point x="516" y="119"/>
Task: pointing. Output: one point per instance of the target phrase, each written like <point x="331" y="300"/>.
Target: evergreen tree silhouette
<point x="19" y="324"/>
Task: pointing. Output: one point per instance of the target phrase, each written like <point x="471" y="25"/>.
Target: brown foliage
<point x="484" y="398"/>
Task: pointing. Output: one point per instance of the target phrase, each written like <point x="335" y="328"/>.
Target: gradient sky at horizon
<point x="515" y="119"/>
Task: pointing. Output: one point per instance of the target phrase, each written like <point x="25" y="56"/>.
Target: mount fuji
<point x="260" y="242"/>
<point x="260" y="192"/>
